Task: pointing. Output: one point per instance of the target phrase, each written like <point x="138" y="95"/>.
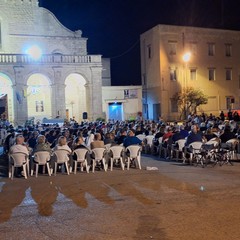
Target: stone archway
<point x="6" y="95"/>
<point x="75" y="95"/>
<point x="39" y="97"/>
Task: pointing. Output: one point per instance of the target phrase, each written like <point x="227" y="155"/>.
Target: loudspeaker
<point x="232" y="100"/>
<point x="84" y="115"/>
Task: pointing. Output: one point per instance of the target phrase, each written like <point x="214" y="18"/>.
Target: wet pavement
<point x="176" y="201"/>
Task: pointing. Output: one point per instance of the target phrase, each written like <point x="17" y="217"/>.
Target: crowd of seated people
<point x="98" y="134"/>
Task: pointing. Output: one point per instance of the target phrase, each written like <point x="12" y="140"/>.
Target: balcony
<point x="48" y="59"/>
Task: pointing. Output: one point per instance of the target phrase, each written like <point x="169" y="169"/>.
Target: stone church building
<point x="46" y="71"/>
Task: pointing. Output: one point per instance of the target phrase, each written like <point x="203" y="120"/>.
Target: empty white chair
<point x="163" y="146"/>
<point x="148" y="147"/>
<point x="133" y="154"/>
<point x="196" y="151"/>
<point x="81" y="154"/>
<point x="116" y="154"/>
<point x="62" y="157"/>
<point x="16" y="160"/>
<point x="232" y="145"/>
<point x="41" y="158"/>
<point x="179" y="147"/>
<point x="99" y="155"/>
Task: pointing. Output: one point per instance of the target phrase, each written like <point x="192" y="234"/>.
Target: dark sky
<point x="113" y="27"/>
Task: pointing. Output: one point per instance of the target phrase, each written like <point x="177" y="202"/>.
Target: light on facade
<point x="35" y="52"/>
<point x="186" y="57"/>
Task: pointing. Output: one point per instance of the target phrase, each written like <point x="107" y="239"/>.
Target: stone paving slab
<point x="176" y="201"/>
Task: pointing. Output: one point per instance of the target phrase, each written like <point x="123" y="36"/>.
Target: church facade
<point x="45" y="69"/>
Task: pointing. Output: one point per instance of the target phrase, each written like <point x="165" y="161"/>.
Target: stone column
<point x="19" y="97"/>
<point x="96" y="93"/>
<point x="58" y="94"/>
<point x="89" y="101"/>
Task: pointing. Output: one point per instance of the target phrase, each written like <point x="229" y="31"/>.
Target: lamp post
<point x="72" y="103"/>
<point x="186" y="58"/>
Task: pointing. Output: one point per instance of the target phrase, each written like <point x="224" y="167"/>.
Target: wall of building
<point x="196" y="40"/>
<point x="24" y="24"/>
<point x="129" y="96"/>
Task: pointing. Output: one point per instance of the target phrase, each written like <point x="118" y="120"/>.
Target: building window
<point x="211" y="49"/>
<point x="211" y="74"/>
<point x="174" y="105"/>
<point x="229" y="102"/>
<point x="228" y="74"/>
<point x="193" y="74"/>
<point x="172" y="48"/>
<point x="149" y="51"/>
<point x="193" y="48"/>
<point x="228" y="49"/>
<point x="173" y="75"/>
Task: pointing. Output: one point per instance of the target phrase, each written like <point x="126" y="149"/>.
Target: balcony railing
<point x="49" y="58"/>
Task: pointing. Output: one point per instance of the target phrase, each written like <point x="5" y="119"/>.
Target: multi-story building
<point x="213" y="67"/>
<point x="46" y="71"/>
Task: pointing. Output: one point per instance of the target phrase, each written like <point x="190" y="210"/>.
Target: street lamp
<point x="72" y="103"/>
<point x="186" y="58"/>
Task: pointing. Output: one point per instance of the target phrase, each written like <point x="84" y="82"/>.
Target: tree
<point x="188" y="100"/>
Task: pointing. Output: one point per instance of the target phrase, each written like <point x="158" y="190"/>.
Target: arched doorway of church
<point x="6" y="98"/>
<point x="75" y="95"/>
<point x="39" y="97"/>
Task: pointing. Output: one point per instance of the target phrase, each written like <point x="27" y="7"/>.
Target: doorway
<point x="115" y="111"/>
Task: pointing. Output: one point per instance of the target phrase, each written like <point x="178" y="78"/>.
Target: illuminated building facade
<point x="45" y="69"/>
<point x="214" y="68"/>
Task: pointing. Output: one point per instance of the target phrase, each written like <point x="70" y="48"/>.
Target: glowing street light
<point x="186" y="57"/>
<point x="35" y="52"/>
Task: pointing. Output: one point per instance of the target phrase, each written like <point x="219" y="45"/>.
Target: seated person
<point x="98" y="143"/>
<point x="42" y="145"/>
<point x="194" y="136"/>
<point x="131" y="139"/>
<point x="20" y="147"/>
<point x="63" y="145"/>
<point x="79" y="144"/>
<point x="227" y="134"/>
<point x="109" y="138"/>
<point x="123" y="133"/>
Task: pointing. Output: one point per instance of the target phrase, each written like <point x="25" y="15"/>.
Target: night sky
<point x="113" y="27"/>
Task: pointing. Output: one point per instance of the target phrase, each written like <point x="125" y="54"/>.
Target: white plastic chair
<point x="116" y="155"/>
<point x="81" y="158"/>
<point x="16" y="160"/>
<point x="134" y="155"/>
<point x="180" y="146"/>
<point x="232" y="143"/>
<point x="98" y="156"/>
<point x="41" y="158"/>
<point x="163" y="147"/>
<point x="107" y="146"/>
<point x="141" y="136"/>
<point x="148" y="147"/>
<point x="62" y="157"/>
<point x="196" y="151"/>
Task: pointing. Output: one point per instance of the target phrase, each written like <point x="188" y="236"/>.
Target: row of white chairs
<point x="204" y="152"/>
<point x="115" y="153"/>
